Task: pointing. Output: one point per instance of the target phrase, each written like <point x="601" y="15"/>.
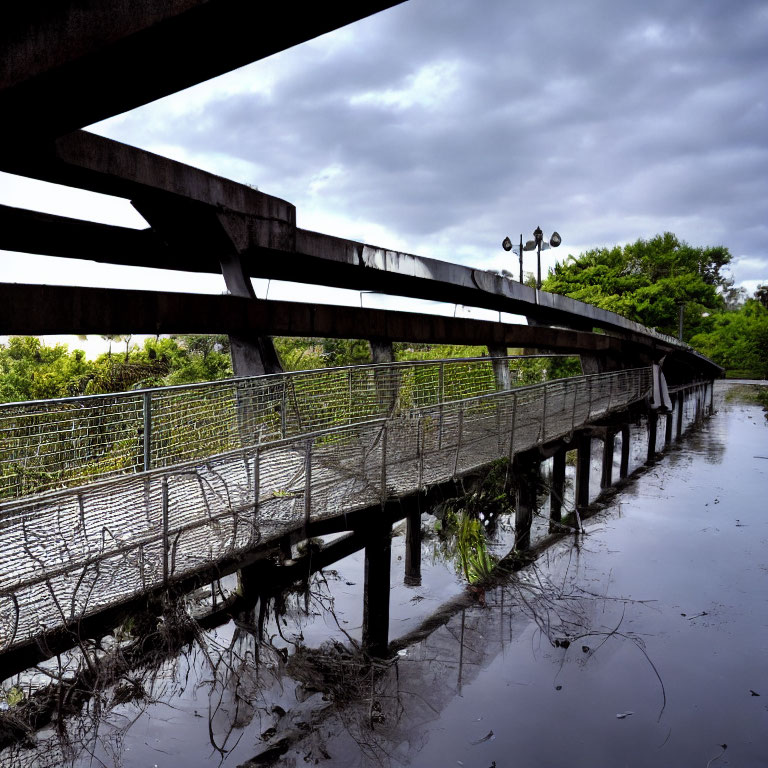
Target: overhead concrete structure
<point x="72" y="62"/>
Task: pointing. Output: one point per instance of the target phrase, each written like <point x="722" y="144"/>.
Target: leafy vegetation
<point x="648" y="280"/>
<point x="32" y="370"/>
<point x="738" y="341"/>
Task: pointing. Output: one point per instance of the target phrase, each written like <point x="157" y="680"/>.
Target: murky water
<point x="641" y="643"/>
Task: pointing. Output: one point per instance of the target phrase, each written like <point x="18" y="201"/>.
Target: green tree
<point x="738" y="341"/>
<point x="647" y="280"/>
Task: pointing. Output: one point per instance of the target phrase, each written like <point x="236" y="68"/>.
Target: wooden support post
<point x="653" y="423"/>
<point x="606" y="477"/>
<point x="583" y="462"/>
<point x="378" y="558"/>
<point x="557" y="490"/>
<point x="625" y="445"/>
<point x="413" y="547"/>
<point x="680" y="412"/>
<point x="711" y="397"/>
<point x="525" y="468"/>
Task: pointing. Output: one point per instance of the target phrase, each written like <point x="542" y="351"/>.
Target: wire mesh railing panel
<point x="49" y="444"/>
<point x="46" y="445"/>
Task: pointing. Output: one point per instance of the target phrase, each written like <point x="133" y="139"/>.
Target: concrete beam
<point x="263" y="224"/>
<point x="59" y="54"/>
<point x="76" y="310"/>
<point x="87" y="161"/>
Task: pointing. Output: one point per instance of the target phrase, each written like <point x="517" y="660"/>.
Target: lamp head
<point x="507" y="244"/>
<point x="538" y="235"/>
<point x="555" y="240"/>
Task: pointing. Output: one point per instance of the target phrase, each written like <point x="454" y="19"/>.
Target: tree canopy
<point x="647" y="280"/>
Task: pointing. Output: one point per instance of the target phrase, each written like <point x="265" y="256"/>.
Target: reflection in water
<point x="255" y="680"/>
<point x="601" y="625"/>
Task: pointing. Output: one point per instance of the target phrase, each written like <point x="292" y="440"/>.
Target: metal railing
<point x="48" y="444"/>
<point x="70" y="552"/>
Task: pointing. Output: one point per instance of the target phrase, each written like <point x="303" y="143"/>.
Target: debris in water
<point x="403" y="652"/>
<point x="585" y="649"/>
<point x="488" y="737"/>
<point x="697" y="616"/>
<point x="754" y="693"/>
<point x="558" y="687"/>
<point x="623" y="715"/>
<point x="717" y="757"/>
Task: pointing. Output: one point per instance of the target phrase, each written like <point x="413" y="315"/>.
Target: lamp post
<point x="538" y="244"/>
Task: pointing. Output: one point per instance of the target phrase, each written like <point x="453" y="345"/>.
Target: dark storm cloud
<point x="610" y="120"/>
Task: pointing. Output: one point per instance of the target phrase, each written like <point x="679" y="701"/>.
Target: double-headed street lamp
<point x="538" y="243"/>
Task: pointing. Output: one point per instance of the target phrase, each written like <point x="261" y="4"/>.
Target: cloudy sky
<point x="440" y="126"/>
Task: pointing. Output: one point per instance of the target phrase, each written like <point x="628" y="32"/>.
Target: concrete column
<point x="680" y="410"/>
<point x="378" y="562"/>
<point x="557" y="490"/>
<point x="526" y="473"/>
<point x="625" y="446"/>
<point x="653" y="422"/>
<point x="668" y="429"/>
<point x="387" y="380"/>
<point x="413" y="548"/>
<point x="201" y="229"/>
<point x="500" y="367"/>
<point x="583" y="462"/>
<point x="606" y="477"/>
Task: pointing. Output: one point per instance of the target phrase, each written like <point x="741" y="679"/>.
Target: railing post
<point x="680" y="410"/>
<point x="511" y="452"/>
<point x="610" y="392"/>
<point x="573" y="412"/>
<point x="420" y="451"/>
<point x="256" y="491"/>
<point x="542" y="431"/>
<point x="349" y="395"/>
<point x="307" y="487"/>
<point x="384" y="464"/>
<point x="283" y="405"/>
<point x="458" y="440"/>
<point x="440" y="399"/>
<point x="147" y="431"/>
<point x="165" y="529"/>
